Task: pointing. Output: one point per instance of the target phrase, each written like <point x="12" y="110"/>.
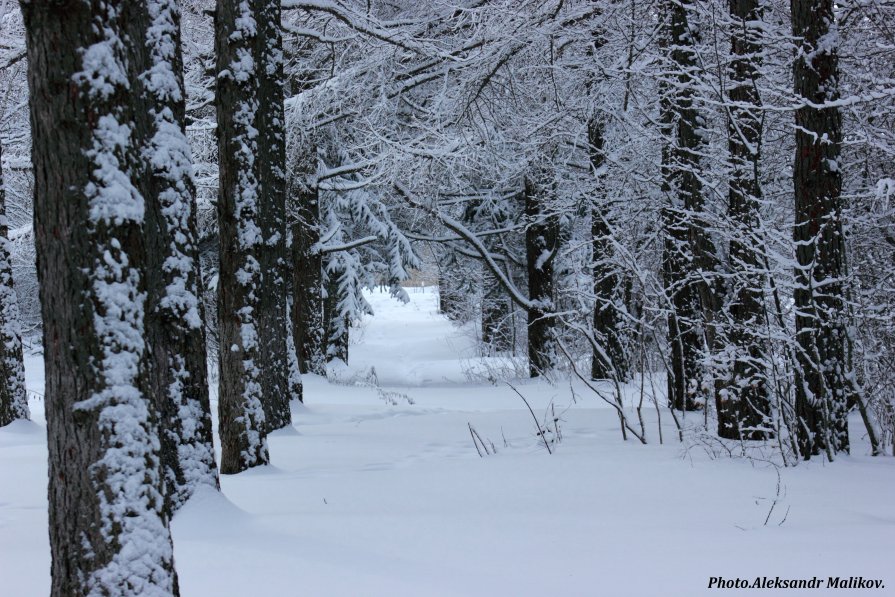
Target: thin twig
<point x="538" y="425"/>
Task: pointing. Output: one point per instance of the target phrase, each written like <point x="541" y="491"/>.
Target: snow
<point x="102" y="71"/>
<point x="368" y="498"/>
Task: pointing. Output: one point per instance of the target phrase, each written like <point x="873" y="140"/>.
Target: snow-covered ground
<point x="366" y="497"/>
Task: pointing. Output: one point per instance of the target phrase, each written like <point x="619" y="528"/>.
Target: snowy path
<point x="369" y="499"/>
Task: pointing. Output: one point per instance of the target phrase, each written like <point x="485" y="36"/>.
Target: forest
<point x="632" y="232"/>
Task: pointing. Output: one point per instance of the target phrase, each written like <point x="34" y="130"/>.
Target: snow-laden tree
<point x="175" y="320"/>
<point x="824" y="379"/>
<point x="13" y="397"/>
<point x="657" y="138"/>
<point x="18" y="180"/>
<point x="742" y="400"/>
<point x="109" y="531"/>
<point x="867" y="81"/>
<point x="306" y="261"/>
<point x="362" y="247"/>
<point x="273" y="324"/>
<point x="243" y="429"/>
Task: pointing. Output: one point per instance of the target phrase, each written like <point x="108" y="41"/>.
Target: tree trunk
<point x="822" y="384"/>
<point x="497" y="308"/>
<point x="689" y="255"/>
<point x="683" y="339"/>
<point x="610" y="362"/>
<point x="272" y="312"/>
<point x="744" y="409"/>
<point x="109" y="532"/>
<point x="296" y="388"/>
<point x="175" y="327"/>
<point x="336" y="324"/>
<point x="243" y="430"/>
<point x="307" y="274"/>
<point x="541" y="247"/>
<point x="448" y="297"/>
<point x="13" y="397"/>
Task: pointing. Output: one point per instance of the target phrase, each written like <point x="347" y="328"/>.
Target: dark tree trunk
<point x="272" y="316"/>
<point x="109" y="532"/>
<point x="822" y="384"/>
<point x="497" y="308"/>
<point x="307" y="274"/>
<point x="541" y="247"/>
<point x="689" y="256"/>
<point x="336" y="324"/>
<point x="448" y="297"/>
<point x="243" y="430"/>
<point x="744" y="408"/>
<point x="13" y="397"/>
<point x="683" y="340"/>
<point x="296" y="387"/>
<point x="610" y="362"/>
<point x="175" y="328"/>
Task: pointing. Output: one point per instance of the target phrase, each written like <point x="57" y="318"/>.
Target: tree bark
<point x="13" y="397"/>
<point x="823" y="385"/>
<point x="611" y="362"/>
<point x="337" y="326"/>
<point x="743" y="405"/>
<point x="690" y="260"/>
<point x="296" y="388"/>
<point x="541" y="247"/>
<point x="683" y="339"/>
<point x="307" y="274"/>
<point x="175" y="318"/>
<point x="497" y="332"/>
<point x="273" y="327"/>
<point x="243" y="430"/>
<point x="448" y="296"/>
<point x="109" y="532"/>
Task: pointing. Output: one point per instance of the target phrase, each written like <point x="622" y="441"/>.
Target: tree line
<point x="613" y="188"/>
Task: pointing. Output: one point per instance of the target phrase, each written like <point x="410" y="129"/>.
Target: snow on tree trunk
<point x="174" y="311"/>
<point x="449" y="303"/>
<point x="296" y="387"/>
<point x="689" y="255"/>
<point x="610" y="363"/>
<point x="307" y="263"/>
<point x="743" y="404"/>
<point x="271" y="159"/>
<point x="541" y="247"/>
<point x="497" y="309"/>
<point x="242" y="426"/>
<point x="13" y="397"/>
<point x="823" y="376"/>
<point x="109" y="533"/>
<point x="337" y="322"/>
